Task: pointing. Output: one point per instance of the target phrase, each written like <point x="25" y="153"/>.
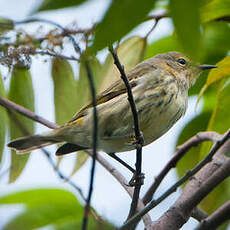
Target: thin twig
<point x="221" y="215"/>
<point x="180" y="152"/>
<point x="47" y="52"/>
<point x="157" y="19"/>
<point x="200" y="185"/>
<point x="26" y="112"/>
<point x="29" y="39"/>
<point x="61" y="175"/>
<point x="174" y="187"/>
<point x="138" y="135"/>
<point x="95" y="130"/>
<point x="123" y="182"/>
<point x="157" y="16"/>
<point x="66" y="33"/>
<point x="198" y="214"/>
<point x="31" y="20"/>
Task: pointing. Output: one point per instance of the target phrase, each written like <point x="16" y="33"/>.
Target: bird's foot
<point x="136" y="180"/>
<point x="137" y="140"/>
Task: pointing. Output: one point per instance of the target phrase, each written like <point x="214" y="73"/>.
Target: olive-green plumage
<point x="160" y="89"/>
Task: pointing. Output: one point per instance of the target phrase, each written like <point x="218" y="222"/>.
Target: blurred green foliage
<point x="21" y="92"/>
<point x="120" y="18"/>
<point x="3" y="119"/>
<point x="6" y="25"/>
<point x="64" y="84"/>
<point x="48" y="207"/>
<point x="57" y="4"/>
<point x="186" y="19"/>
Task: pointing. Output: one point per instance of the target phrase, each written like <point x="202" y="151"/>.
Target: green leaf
<point x="216" y="45"/>
<point x="58" y="4"/>
<point x="35" y="197"/>
<point x="209" y="98"/>
<point x="216" y="74"/>
<point x="130" y="53"/>
<point x="21" y="92"/>
<point x="84" y="96"/>
<point x="212" y="101"/>
<point x="221" y="112"/>
<point x="121" y="17"/>
<point x="44" y="207"/>
<point x="6" y="25"/>
<point x="3" y="119"/>
<point x="163" y="45"/>
<point x="215" y="9"/>
<point x="186" y="19"/>
<point x="222" y="71"/>
<point x="219" y="122"/>
<point x="83" y="90"/>
<point x="216" y="41"/>
<point x="39" y="217"/>
<point x="195" y="89"/>
<point x="216" y="198"/>
<point x="48" y="207"/>
<point x="192" y="157"/>
<point x="73" y="225"/>
<point x="81" y="159"/>
<point x="65" y="90"/>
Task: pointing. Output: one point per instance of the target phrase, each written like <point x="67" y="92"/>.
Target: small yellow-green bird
<point x="160" y="88"/>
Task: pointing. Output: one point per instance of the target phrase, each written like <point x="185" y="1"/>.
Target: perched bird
<point x="160" y="88"/>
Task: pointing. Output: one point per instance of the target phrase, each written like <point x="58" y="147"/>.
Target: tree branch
<point x="196" y="190"/>
<point x="139" y="137"/>
<point x="95" y="130"/>
<point x="157" y="18"/>
<point x="123" y="182"/>
<point x="180" y="152"/>
<point x="221" y="215"/>
<point x="198" y="214"/>
<point x="173" y="188"/>
<point x="26" y="112"/>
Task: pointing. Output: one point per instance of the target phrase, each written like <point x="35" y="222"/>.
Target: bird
<point x="160" y="90"/>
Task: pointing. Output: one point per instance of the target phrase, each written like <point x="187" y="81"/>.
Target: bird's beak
<point x="205" y="67"/>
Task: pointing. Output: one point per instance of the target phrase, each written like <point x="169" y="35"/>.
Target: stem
<point x="95" y="130"/>
<point x="139" y="137"/>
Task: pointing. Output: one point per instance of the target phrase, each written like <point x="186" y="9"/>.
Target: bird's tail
<point x="27" y="144"/>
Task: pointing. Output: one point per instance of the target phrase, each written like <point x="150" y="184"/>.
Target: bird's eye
<point x="181" y="61"/>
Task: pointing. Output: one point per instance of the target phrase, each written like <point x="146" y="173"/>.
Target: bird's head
<point x="181" y="66"/>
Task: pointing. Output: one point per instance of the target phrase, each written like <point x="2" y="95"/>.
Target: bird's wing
<point x="116" y="89"/>
<point x="105" y="96"/>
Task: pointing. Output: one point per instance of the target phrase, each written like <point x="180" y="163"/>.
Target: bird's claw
<point x="137" y="140"/>
<point x="136" y="180"/>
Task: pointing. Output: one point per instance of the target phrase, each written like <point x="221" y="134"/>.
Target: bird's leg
<point x="114" y="156"/>
<point x="134" y="178"/>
